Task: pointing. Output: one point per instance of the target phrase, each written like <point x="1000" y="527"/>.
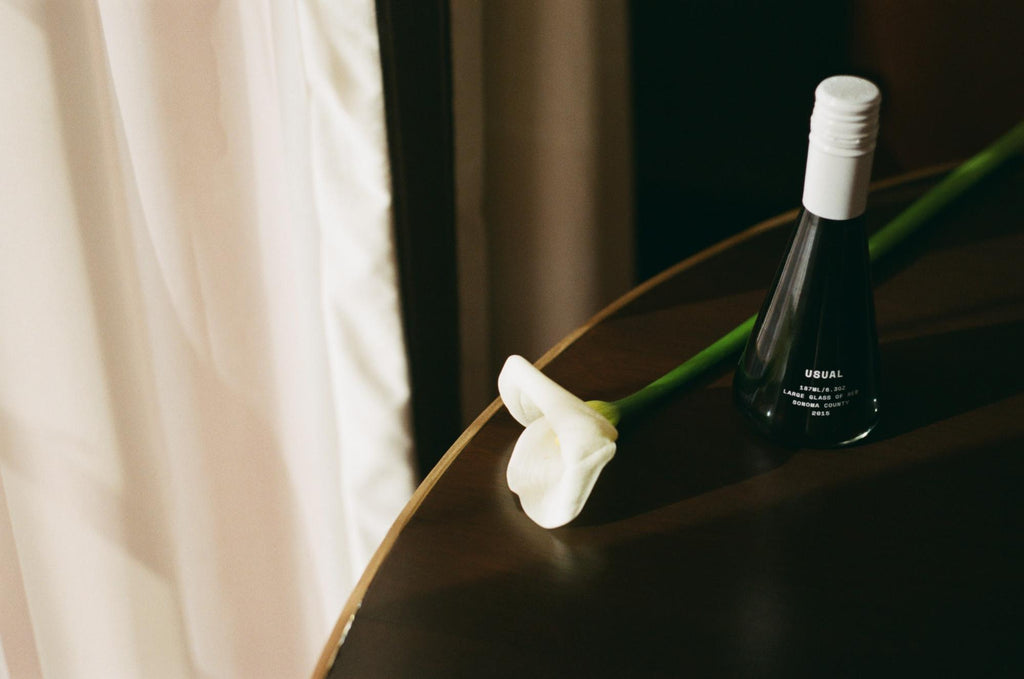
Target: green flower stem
<point x="956" y="182"/>
<point x="885" y="239"/>
<point x="687" y="372"/>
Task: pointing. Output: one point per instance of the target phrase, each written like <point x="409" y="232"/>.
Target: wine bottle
<point x="808" y="376"/>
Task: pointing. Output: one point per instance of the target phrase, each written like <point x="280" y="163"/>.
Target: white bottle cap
<point x="844" y="126"/>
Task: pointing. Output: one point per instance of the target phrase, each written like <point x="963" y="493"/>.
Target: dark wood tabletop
<point x="707" y="551"/>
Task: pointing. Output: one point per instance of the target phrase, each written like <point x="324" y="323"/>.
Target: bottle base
<point x="856" y="439"/>
<point x="802" y="439"/>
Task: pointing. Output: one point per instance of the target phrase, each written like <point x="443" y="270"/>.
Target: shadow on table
<point x="693" y="444"/>
<point x="698" y="442"/>
<point x="914" y="572"/>
<point x="932" y="378"/>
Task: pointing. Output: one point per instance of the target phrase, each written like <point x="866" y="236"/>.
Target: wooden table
<point x="706" y="551"/>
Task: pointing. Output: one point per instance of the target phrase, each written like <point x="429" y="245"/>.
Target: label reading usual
<point x="822" y="392"/>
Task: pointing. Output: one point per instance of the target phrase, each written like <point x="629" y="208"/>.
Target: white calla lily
<point x="566" y="444"/>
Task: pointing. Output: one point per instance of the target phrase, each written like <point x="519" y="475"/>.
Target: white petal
<point x="529" y="394"/>
<point x="566" y="444"/>
<point x="536" y="463"/>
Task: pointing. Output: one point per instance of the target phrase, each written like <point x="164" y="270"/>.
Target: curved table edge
<point x="354" y="601"/>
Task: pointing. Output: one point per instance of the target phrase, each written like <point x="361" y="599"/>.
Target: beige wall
<point x="543" y="174"/>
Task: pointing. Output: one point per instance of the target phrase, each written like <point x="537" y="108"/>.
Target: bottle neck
<point x="844" y="127"/>
<point x="836" y="185"/>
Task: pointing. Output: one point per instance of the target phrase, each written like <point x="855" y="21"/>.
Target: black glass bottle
<point x="809" y="374"/>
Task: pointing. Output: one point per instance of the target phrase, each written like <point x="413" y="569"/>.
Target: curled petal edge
<point x="560" y="455"/>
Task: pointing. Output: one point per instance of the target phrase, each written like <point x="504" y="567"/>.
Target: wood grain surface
<point x="706" y="551"/>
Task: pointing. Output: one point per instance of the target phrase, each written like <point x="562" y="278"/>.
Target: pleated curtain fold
<point x="204" y="398"/>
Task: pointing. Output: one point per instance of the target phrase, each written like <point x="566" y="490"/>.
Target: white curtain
<point x="203" y="389"/>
